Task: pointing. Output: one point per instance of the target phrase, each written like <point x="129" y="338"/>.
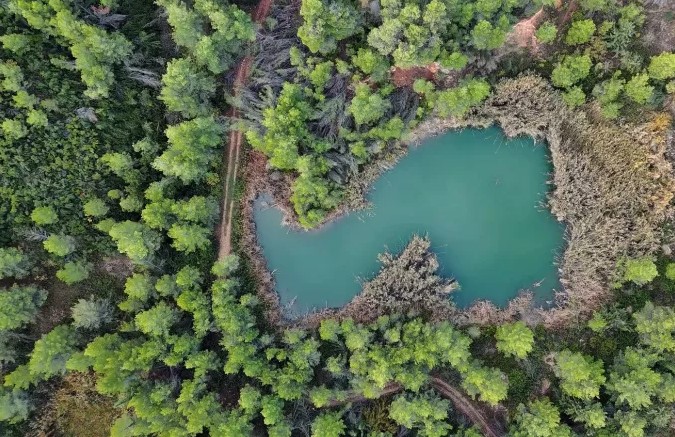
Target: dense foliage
<point x="113" y="123"/>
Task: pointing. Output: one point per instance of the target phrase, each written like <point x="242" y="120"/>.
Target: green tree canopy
<point x="581" y="376"/>
<point x="571" y="70"/>
<point x="13" y="263"/>
<point x="19" y="305"/>
<point x="59" y="244"/>
<point x="662" y="66"/>
<point x="580" y="32"/>
<point x="639" y="270"/>
<point x="514" y="339"/>
<point x="74" y="271"/>
<point x="44" y="215"/>
<point x="192" y="149"/>
<point x="539" y="419"/>
<point x="186" y="89"/>
<point x="325" y="23"/>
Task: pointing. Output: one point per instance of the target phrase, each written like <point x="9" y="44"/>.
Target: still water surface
<point x="477" y="195"/>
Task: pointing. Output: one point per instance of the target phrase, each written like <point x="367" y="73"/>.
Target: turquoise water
<point x="477" y="195"/>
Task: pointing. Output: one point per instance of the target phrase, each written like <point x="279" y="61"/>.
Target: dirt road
<point x="459" y="400"/>
<point x="232" y="153"/>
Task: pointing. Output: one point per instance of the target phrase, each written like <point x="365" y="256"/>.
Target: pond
<point x="480" y="198"/>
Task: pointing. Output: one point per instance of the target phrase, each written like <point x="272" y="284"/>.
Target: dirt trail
<point x="489" y="428"/>
<point x="232" y="152"/>
<point x="467" y="408"/>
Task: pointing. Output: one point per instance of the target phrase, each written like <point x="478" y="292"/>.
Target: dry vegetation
<point x="76" y="409"/>
<point x="406" y="282"/>
<point x="613" y="186"/>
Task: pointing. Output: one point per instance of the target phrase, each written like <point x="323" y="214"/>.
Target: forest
<point x="134" y="135"/>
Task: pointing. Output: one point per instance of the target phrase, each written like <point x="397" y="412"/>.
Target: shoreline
<point x="543" y="118"/>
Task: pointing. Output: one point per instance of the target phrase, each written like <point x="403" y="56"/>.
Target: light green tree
<point x="328" y="425"/>
<point x="192" y="149"/>
<point x="638" y="88"/>
<point x="44" y="215"/>
<point x="95" y="207"/>
<point x="571" y="70"/>
<point x="135" y="240"/>
<point x="514" y="339"/>
<point x="656" y="327"/>
<point x="488" y="383"/>
<point x="662" y="66"/>
<point x="158" y="320"/>
<point x="487" y="37"/>
<point x="285" y="128"/>
<point x="640" y="271"/>
<point x="581" y="376"/>
<point x="59" y="244"/>
<point x="593" y="416"/>
<point x="594" y="5"/>
<point x="539" y="419"/>
<point x="425" y="413"/>
<point x="51" y="352"/>
<point x="580" y="32"/>
<point x="458" y="100"/>
<point x="74" y="271"/>
<point x="546" y="33"/>
<point x="189" y="237"/>
<point x="574" y="97"/>
<point x="367" y="106"/>
<point x="327" y="22"/>
<point x="186" y="89"/>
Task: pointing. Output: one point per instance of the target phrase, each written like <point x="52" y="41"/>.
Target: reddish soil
<point x="522" y="34"/>
<point x="407" y="76"/>
<point x="231" y="154"/>
<point x="571" y="8"/>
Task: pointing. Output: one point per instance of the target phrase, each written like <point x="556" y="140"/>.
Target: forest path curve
<point x="231" y="154"/>
<point x="466" y="407"/>
<point x="460" y="401"/>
